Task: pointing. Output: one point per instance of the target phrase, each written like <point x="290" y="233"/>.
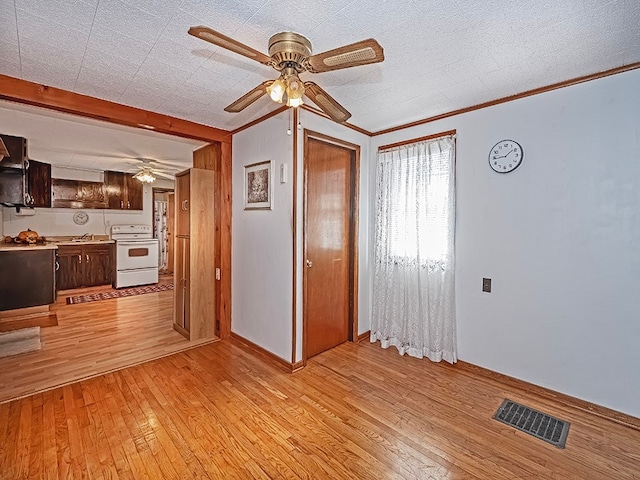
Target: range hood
<point x="13" y="172"/>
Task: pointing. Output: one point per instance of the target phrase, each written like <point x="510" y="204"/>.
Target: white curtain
<point x="413" y="286"/>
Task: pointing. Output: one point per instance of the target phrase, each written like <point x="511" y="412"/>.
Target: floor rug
<point x="45" y="320"/>
<point x="125" y="292"/>
<point x="19" y="341"/>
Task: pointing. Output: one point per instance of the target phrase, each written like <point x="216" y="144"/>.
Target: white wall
<point x="559" y="236"/>
<point x="262" y="245"/>
<point x="262" y="261"/>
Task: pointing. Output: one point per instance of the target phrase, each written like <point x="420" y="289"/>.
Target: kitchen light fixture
<point x="145" y="176"/>
<point x="3" y="150"/>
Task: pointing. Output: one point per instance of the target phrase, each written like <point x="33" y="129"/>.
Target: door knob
<point x="309" y="263"/>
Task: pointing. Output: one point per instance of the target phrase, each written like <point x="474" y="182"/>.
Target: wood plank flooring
<point x="219" y="411"/>
<point x="93" y="338"/>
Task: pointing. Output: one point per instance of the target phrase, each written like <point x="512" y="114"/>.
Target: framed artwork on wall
<point x="258" y="186"/>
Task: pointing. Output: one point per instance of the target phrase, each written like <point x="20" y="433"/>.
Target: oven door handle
<point x="136" y="244"/>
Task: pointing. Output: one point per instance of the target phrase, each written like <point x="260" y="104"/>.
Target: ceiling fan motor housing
<point x="287" y="48"/>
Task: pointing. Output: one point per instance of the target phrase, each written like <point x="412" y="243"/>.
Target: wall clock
<point x="505" y="156"/>
<point x="80" y="218"/>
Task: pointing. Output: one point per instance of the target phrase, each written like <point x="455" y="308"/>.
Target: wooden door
<point x="39" y="179"/>
<point x="180" y="290"/>
<point x="171" y="205"/>
<point x="98" y="266"/>
<point x="183" y="185"/>
<point x="134" y="193"/>
<point x="115" y="189"/>
<point x="327" y="245"/>
<point x="69" y="274"/>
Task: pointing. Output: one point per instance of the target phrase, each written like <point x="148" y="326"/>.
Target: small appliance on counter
<point x="136" y="255"/>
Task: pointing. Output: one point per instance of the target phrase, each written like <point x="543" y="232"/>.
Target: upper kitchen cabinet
<point x="39" y="181"/>
<point x="17" y="150"/>
<point x="123" y="191"/>
<point x="77" y="194"/>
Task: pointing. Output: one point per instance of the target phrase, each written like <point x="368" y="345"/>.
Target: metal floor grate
<point x="545" y="427"/>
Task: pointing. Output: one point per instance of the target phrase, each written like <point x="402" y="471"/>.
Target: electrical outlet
<point x="486" y="285"/>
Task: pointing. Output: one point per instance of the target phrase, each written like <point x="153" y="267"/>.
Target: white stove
<point x="136" y="255"/>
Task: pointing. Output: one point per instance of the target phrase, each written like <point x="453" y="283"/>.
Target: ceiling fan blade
<point x="211" y="36"/>
<point x="248" y="98"/>
<point x="359" y="53"/>
<point x="326" y="103"/>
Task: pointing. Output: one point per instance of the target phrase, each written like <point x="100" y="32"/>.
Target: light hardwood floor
<point x="93" y="338"/>
<point x="219" y="411"/>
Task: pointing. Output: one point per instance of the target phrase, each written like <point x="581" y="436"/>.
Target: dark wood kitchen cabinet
<point x="39" y="182"/>
<point x="26" y="278"/>
<point x="77" y="194"/>
<point x="123" y="191"/>
<point x="84" y="265"/>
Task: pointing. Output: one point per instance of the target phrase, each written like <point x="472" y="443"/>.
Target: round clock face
<point x="80" y="218"/>
<point x="506" y="156"/>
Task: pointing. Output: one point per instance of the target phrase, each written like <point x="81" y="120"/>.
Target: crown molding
<point x="528" y="93"/>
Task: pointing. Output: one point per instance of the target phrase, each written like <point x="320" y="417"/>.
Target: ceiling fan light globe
<point x="294" y="102"/>
<point x="276" y="90"/>
<point x="145" y="176"/>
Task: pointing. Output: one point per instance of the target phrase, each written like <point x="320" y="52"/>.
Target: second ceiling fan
<point x="290" y="54"/>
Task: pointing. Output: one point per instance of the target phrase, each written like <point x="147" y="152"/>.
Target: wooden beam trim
<point x="364" y="336"/>
<point x="561" y="398"/>
<point x="262" y="352"/>
<point x="320" y="113"/>
<point x="29" y="93"/>
<point x="416" y="140"/>
<point x="294" y="304"/>
<point x="260" y="120"/>
<point x="518" y="96"/>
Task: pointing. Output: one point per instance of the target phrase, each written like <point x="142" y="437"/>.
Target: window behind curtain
<point x="415" y="197"/>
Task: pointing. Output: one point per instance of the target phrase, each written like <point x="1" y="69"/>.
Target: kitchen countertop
<point x="52" y="243"/>
<point x="13" y="247"/>
<point x="77" y="242"/>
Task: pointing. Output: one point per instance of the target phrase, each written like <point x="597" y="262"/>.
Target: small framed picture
<point x="258" y="186"/>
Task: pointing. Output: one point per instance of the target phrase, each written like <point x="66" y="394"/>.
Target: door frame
<point x="353" y="224"/>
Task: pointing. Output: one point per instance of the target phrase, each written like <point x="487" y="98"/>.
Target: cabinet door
<point x="134" y="193"/>
<point x="181" y="293"/>
<point x="39" y="181"/>
<point x="183" y="187"/>
<point x="115" y="186"/>
<point x="98" y="266"/>
<point x="69" y="273"/>
<point x="17" y="149"/>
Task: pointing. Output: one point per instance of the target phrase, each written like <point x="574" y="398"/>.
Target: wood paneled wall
<point x="217" y="156"/>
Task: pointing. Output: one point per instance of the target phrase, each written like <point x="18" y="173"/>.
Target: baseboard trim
<point x="364" y="336"/>
<point x="280" y="362"/>
<point x="546" y="393"/>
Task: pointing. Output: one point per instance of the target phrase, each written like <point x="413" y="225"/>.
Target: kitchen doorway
<point x="330" y="281"/>
<point x="163" y="221"/>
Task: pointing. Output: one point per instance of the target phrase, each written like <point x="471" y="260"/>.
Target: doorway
<point x="163" y="220"/>
<point x="331" y="173"/>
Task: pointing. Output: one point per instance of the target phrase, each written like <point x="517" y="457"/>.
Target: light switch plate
<point x="486" y="285"/>
<point x="283" y="173"/>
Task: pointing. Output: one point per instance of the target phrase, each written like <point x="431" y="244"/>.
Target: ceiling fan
<point x="290" y="54"/>
<point x="148" y="170"/>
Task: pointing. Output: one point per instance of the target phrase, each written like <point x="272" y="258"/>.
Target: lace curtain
<point x="413" y="287"/>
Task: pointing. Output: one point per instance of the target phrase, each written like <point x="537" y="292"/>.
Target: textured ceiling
<point x="441" y="55"/>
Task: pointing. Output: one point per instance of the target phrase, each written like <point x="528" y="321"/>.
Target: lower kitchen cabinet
<point x="84" y="265"/>
<point x="26" y="278"/>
